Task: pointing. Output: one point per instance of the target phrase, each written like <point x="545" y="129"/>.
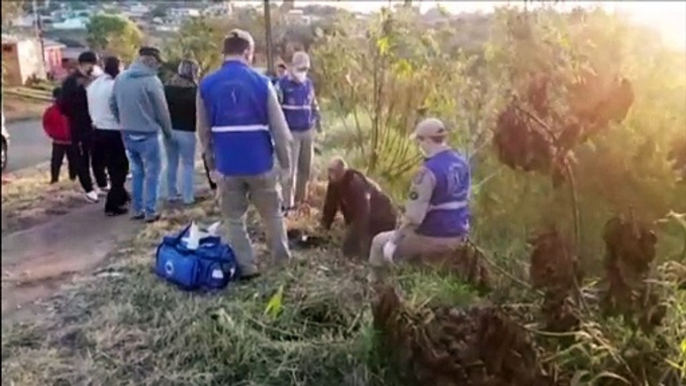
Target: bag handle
<point x="183" y="232"/>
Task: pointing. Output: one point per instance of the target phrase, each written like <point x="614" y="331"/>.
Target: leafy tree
<point x="198" y="39"/>
<point x="115" y="34"/>
<point x="10" y="11"/>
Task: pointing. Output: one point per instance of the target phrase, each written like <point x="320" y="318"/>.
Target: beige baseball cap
<point x="429" y="127"/>
<point x="300" y="60"/>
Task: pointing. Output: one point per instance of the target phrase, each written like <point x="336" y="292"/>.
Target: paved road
<point x="28" y="145"/>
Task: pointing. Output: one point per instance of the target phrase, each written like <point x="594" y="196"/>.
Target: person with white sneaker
<point x="74" y="105"/>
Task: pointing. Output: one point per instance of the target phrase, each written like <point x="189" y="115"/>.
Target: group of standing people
<point x="256" y="136"/>
<point x="108" y="120"/>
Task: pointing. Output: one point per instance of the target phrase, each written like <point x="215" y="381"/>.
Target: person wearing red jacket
<point x="56" y="126"/>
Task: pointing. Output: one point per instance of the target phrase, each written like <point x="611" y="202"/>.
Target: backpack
<point x="209" y="267"/>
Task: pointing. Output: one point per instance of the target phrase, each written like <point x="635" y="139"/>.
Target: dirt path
<point x="38" y="261"/>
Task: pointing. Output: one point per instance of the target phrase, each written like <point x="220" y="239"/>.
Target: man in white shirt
<point x="108" y="143"/>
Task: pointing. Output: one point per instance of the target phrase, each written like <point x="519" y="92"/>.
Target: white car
<point x="5" y="142"/>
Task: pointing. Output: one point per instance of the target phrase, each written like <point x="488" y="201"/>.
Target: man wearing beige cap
<point x="299" y="104"/>
<point x="437" y="213"/>
<point x="240" y="125"/>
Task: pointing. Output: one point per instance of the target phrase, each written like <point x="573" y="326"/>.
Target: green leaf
<point x="578" y="376"/>
<point x="403" y="68"/>
<point x="384" y="45"/>
<point x="274" y="305"/>
<point x="608" y="374"/>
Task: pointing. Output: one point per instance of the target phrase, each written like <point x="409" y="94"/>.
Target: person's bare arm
<point x="279" y="129"/>
<point x="204" y="132"/>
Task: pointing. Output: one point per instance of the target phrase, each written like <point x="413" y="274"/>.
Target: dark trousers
<point x="213" y="185"/>
<point x="86" y="160"/>
<point x="109" y="146"/>
<point x="59" y="151"/>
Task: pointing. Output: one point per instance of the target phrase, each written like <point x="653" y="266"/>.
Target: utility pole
<point x="39" y="31"/>
<point x="268" y="27"/>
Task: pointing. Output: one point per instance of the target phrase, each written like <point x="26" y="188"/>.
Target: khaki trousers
<point x="235" y="193"/>
<point x="302" y="150"/>
<point x="409" y="245"/>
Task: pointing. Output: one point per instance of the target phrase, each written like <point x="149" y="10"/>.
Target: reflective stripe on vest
<point x="453" y="205"/>
<point x="236" y="129"/>
<point x="295" y="107"/>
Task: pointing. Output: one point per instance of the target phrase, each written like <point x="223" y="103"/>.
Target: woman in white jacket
<point x="108" y="142"/>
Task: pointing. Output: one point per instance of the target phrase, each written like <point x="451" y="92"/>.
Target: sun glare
<point x="668" y="17"/>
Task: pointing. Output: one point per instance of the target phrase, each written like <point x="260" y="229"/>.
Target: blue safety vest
<point x="297" y="103"/>
<point x="448" y="212"/>
<point x="235" y="98"/>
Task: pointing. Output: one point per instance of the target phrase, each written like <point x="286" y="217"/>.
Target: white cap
<point x="430" y="127"/>
<point x="300" y="59"/>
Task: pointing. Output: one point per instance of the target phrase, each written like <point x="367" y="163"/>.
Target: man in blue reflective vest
<point x="436" y="215"/>
<point x="280" y="72"/>
<point x="299" y="104"/>
<point x="240" y="126"/>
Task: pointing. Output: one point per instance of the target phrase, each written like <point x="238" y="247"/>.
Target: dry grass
<point x="23" y="107"/>
<point x="123" y="326"/>
<point x="28" y="199"/>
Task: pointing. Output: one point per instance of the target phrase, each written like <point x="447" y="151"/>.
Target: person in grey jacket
<point x="139" y="104"/>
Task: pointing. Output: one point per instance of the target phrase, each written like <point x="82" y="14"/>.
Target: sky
<point x="668" y="17"/>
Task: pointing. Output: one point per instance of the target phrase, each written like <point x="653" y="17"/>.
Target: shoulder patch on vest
<point x="419" y="177"/>
<point x="414" y="195"/>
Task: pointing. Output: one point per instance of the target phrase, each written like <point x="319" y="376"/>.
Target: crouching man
<point x="367" y="211"/>
<point x="436" y="215"/>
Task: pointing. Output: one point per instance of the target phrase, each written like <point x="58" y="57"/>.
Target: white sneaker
<point x="92" y="196"/>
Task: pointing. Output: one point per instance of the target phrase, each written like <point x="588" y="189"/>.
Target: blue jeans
<point x="183" y="148"/>
<point x="144" y="153"/>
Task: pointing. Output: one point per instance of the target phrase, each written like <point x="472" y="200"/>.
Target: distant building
<point x="222" y="9"/>
<point x="23" y="59"/>
<point x="297" y="16"/>
<point x="183" y="12"/>
<point x="73" y="23"/>
<point x="137" y="10"/>
<point x="53" y="58"/>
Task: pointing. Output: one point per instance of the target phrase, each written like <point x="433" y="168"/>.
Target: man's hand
<point x="215" y="176"/>
<point x="169" y="136"/>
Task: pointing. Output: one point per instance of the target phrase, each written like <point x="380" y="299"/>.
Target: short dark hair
<point x="281" y="65"/>
<point x="112" y="66"/>
<point x="88" y="57"/>
<point x="57" y="92"/>
<point x="235" y="45"/>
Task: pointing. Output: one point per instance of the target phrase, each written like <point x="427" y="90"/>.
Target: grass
<point x="124" y="326"/>
<point x="28" y="199"/>
<point x="21" y="106"/>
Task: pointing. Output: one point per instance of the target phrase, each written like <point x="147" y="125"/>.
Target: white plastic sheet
<point x="195" y="234"/>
